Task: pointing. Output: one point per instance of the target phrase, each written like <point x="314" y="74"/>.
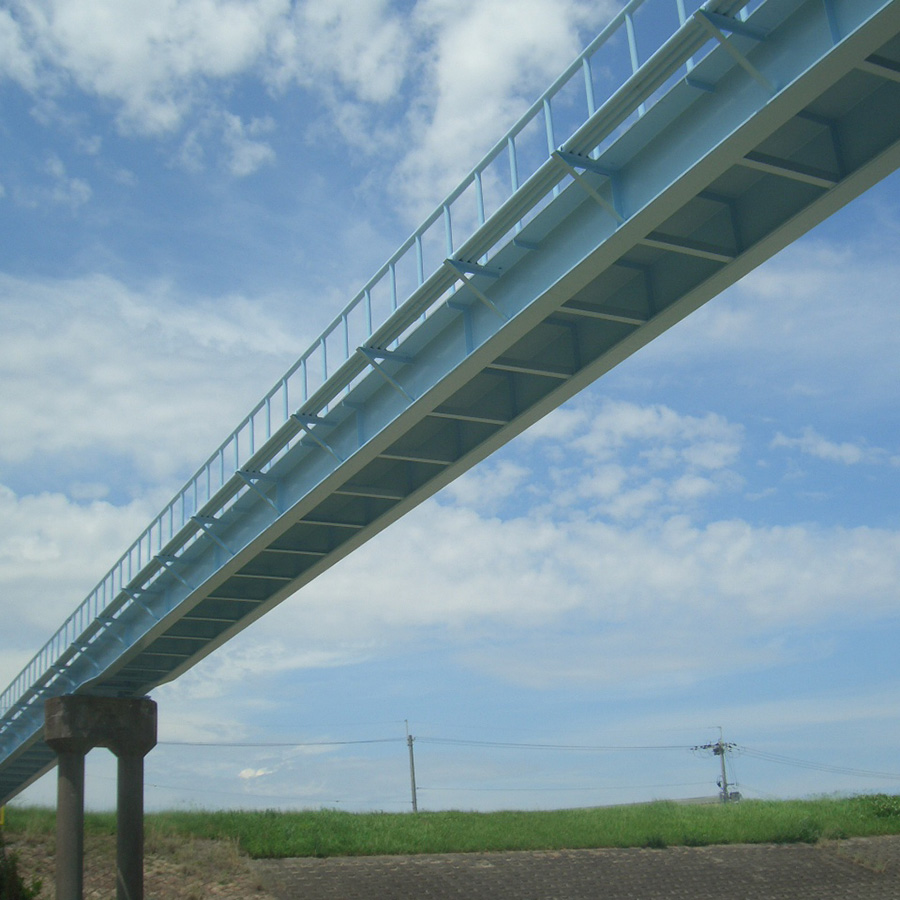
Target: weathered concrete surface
<point x="74" y="725"/>
<point x="857" y="869"/>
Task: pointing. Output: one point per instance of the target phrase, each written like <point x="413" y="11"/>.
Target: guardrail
<point x="638" y="59"/>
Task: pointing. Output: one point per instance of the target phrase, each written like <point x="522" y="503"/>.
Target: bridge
<point x="609" y="212"/>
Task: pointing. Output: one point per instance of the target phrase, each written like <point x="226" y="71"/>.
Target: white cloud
<point x="193" y="722"/>
<point x="247" y="774"/>
<point x="489" y="484"/>
<point x="152" y="58"/>
<point x="16" y="60"/>
<point x="488" y="61"/>
<point x="167" y="64"/>
<point x="240" y="663"/>
<point x="88" y="490"/>
<point x="90" y="365"/>
<point x="247" y="153"/>
<point x="125" y="177"/>
<point x="454" y="75"/>
<point x="242" y="151"/>
<point x="559" y="425"/>
<point x="362" y="48"/>
<point x="66" y="191"/>
<point x="815" y="444"/>
<point x="18" y="650"/>
<point x="656" y="606"/>
<point x="642" y="460"/>
<point x="54" y="187"/>
<point x="691" y="487"/>
<point x="803" y="324"/>
<point x="53" y="552"/>
<point x="551" y="603"/>
<point x="668" y="438"/>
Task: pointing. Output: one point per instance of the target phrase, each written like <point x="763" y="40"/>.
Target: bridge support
<point x="73" y="725"/>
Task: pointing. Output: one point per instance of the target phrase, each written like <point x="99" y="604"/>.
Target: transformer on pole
<point x="721" y="748"/>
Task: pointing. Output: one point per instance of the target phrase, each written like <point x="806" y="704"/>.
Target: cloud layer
<point x="456" y="74"/>
<point x="93" y="367"/>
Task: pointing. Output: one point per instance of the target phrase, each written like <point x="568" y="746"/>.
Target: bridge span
<point x="599" y="221"/>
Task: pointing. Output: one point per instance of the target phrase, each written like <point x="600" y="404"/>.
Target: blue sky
<point x="708" y="537"/>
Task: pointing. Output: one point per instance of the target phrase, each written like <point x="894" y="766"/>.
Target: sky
<point x="707" y="538"/>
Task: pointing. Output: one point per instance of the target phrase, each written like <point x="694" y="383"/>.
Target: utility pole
<point x="412" y="769"/>
<point x="720" y="748"/>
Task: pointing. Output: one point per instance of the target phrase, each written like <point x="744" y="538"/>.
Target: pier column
<point x="69" y="819"/>
<point x="131" y="747"/>
<point x="73" y="725"/>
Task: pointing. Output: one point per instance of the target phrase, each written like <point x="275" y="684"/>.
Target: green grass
<point x="12" y="885"/>
<point x="271" y="834"/>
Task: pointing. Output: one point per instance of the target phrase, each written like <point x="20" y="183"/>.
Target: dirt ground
<point x="174" y="868"/>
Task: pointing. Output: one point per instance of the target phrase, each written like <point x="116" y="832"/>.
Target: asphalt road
<point x="856" y="869"/>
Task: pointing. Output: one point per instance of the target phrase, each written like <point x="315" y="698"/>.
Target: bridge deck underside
<point x="300" y="522"/>
<point x="788" y="172"/>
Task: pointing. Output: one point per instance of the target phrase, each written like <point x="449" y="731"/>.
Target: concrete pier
<point x="69" y="827"/>
<point x="73" y="725"/>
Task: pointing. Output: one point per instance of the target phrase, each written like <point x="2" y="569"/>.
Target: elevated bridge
<point x="608" y="213"/>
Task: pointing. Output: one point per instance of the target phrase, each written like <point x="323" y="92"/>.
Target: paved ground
<point x="858" y="869"/>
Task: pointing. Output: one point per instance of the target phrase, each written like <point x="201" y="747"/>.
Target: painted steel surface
<point x="609" y="212"/>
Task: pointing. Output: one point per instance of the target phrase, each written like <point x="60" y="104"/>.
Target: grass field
<point x="275" y="834"/>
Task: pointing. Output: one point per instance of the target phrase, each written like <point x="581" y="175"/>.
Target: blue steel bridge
<point x="687" y="144"/>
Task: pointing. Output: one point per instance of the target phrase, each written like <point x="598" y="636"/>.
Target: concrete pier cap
<point x="76" y="724"/>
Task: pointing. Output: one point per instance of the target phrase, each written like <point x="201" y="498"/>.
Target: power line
<point x="759" y="793"/>
<point x="569" y="747"/>
<point x="427" y="740"/>
<point x="277" y="743"/>
<point x="818" y="767"/>
<point x="615" y="787"/>
<point x="730" y="748"/>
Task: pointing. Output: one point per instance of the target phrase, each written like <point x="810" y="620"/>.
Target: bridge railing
<point x="647" y="47"/>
